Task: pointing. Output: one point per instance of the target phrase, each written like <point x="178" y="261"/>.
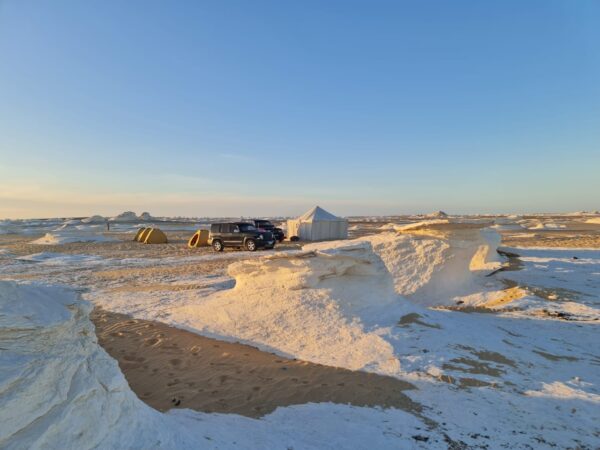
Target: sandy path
<point x="168" y="367"/>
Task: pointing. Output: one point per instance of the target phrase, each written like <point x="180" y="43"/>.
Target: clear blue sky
<point x="269" y="107"/>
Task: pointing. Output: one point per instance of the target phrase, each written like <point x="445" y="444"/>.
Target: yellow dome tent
<point x="139" y="233"/>
<point x="155" y="236"/>
<point x="144" y="234"/>
<point x="199" y="239"/>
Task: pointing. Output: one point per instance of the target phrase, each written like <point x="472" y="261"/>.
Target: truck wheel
<point x="217" y="246"/>
<point x="250" y="245"/>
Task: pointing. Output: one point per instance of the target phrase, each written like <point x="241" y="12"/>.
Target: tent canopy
<point x="317" y="213"/>
<point x="318" y="225"/>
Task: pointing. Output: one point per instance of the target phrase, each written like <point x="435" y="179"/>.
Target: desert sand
<point x="174" y="317"/>
<point x="172" y="368"/>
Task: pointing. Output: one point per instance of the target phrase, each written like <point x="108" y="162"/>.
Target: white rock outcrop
<point x="94" y="219"/>
<point x="58" y="388"/>
<point x="145" y="216"/>
<point x="127" y="216"/>
<point x="332" y="302"/>
<point x="433" y="262"/>
<point x="437" y="215"/>
<point x="322" y="304"/>
<point x="68" y="237"/>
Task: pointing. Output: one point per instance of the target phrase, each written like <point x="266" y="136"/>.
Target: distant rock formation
<point x="94" y="219"/>
<point x="437" y="215"/>
<point x="127" y="216"/>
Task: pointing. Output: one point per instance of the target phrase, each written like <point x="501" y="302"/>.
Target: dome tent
<point x="318" y="225"/>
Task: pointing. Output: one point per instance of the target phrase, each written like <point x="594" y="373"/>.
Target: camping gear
<point x="318" y="225"/>
<point x="139" y="233"/>
<point x="144" y="234"/>
<point x="153" y="236"/>
<point x="199" y="239"/>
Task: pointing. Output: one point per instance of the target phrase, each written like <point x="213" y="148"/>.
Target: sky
<point x="230" y="108"/>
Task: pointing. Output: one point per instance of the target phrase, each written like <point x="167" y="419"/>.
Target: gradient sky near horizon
<point x="270" y="107"/>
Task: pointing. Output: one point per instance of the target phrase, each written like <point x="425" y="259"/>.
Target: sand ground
<point x="123" y="247"/>
<point x="168" y="367"/>
<point x="171" y="368"/>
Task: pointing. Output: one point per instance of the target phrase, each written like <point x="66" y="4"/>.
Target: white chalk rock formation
<point x="127" y="216"/>
<point x="74" y="230"/>
<point x="418" y="225"/>
<point x="433" y="262"/>
<point x="94" y="219"/>
<point x="58" y="388"/>
<point x="506" y="220"/>
<point x="437" y="215"/>
<point x="68" y="237"/>
<point x="388" y="226"/>
<point x="539" y="225"/>
<point x="331" y="302"/>
<point x="323" y="304"/>
<point x="68" y="223"/>
<point x="509" y="223"/>
<point x="145" y="216"/>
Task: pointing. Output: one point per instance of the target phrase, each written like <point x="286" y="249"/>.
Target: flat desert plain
<point x="465" y="332"/>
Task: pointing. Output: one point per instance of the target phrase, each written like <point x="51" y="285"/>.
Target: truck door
<point x="227" y="233"/>
<point x="237" y="238"/>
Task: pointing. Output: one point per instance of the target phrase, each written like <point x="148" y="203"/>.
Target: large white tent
<point x="318" y="225"/>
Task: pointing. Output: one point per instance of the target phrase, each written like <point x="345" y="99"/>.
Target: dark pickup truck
<point x="266" y="225"/>
<point x="240" y="235"/>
